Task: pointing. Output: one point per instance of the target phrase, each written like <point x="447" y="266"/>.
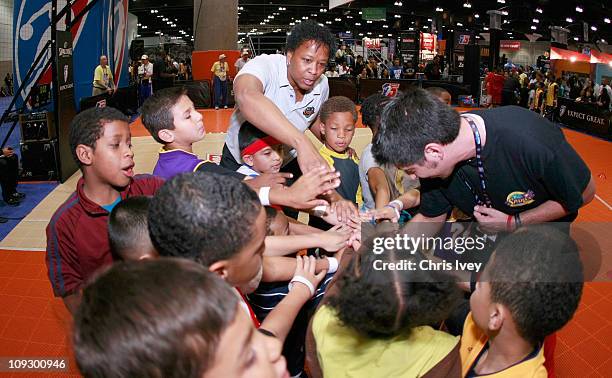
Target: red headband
<point x="259" y="145"/>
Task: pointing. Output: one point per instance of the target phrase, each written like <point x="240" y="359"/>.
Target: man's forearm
<point x="549" y="211"/>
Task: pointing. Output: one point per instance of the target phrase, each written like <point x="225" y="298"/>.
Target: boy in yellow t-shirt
<point x="220" y="70"/>
<point x="529" y="290"/>
<point x="338" y="117"/>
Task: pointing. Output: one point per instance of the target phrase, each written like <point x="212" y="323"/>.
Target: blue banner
<point x="102" y="31"/>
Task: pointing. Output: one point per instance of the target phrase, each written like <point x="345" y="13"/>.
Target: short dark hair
<point x="310" y="30"/>
<point x="127" y="226"/>
<point x="437" y="91"/>
<point x="409" y="122"/>
<point x="248" y="134"/>
<point x="337" y="104"/>
<point x="537" y="274"/>
<point x="382" y="304"/>
<point x="205" y="217"/>
<point x="155" y="318"/>
<point x="88" y="126"/>
<point x="156" y="110"/>
<point x="371" y="109"/>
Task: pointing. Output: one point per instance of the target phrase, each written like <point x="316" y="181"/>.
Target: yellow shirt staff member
<point x="103" y="78"/>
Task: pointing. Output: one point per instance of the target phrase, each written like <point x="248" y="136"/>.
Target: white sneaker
<point x="225" y="107"/>
<point x="216" y="108"/>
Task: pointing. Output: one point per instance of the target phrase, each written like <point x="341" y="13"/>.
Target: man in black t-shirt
<point x="529" y="168"/>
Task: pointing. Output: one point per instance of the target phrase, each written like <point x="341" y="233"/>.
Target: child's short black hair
<point x="88" y="126"/>
<point x="337" y="104"/>
<point x="371" y="109"/>
<point x="248" y="134"/>
<point x="537" y="274"/>
<point x="381" y="304"/>
<point x="156" y="110"/>
<point x="310" y="30"/>
<point x="437" y="91"/>
<point x="205" y="217"/>
<point x="128" y="227"/>
<point x="154" y="318"/>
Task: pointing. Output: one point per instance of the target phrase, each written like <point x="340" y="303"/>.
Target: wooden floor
<point x="34" y="323"/>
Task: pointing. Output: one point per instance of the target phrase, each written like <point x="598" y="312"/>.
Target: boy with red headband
<point x="260" y="153"/>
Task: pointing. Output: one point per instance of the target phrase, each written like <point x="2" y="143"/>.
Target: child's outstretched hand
<point x="304" y="192"/>
<point x="334" y="239"/>
<point x="271" y="180"/>
<point x="305" y="267"/>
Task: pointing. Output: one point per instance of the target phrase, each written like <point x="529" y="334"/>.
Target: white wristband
<point x="333" y="264"/>
<point x="399" y="203"/>
<point x="304" y="281"/>
<point x="264" y="195"/>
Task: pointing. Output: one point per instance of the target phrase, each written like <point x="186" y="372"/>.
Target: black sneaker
<point x="19" y="196"/>
<point x="12" y="201"/>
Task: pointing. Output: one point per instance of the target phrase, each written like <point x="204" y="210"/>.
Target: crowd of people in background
<point x="538" y="89"/>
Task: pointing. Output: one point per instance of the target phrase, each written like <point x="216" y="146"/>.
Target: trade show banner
<point x="585" y="117"/>
<point x="65" y="102"/>
<point x="102" y="31"/>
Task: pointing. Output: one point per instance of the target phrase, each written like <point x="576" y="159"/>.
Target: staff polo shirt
<point x="271" y="70"/>
<point x="77" y="236"/>
<point x="171" y="163"/>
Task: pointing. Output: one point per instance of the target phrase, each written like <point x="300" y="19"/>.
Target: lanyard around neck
<point x="486" y="200"/>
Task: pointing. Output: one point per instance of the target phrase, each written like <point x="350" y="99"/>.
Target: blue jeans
<point x="144" y="92"/>
<point x="220" y="87"/>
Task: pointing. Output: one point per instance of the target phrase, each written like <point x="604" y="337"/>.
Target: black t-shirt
<point x="527" y="162"/>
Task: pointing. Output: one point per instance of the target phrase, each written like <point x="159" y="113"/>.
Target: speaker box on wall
<point x="136" y="49"/>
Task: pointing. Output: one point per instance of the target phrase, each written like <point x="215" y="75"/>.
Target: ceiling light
<point x="536" y="21"/>
<point x="501" y="1"/>
<point x="467" y="5"/>
<point x="389" y="35"/>
<point x="575" y="38"/>
<point x="485" y="28"/>
<point x="429" y="20"/>
<point x="361" y="34"/>
<point x="328" y="22"/>
<point x="357" y="23"/>
<point x="569" y="19"/>
<point x="604" y="41"/>
<point x="533" y="27"/>
<point x="607" y="20"/>
<point x="337" y="19"/>
<point x="369" y="33"/>
<point x="476" y="15"/>
<point x="459" y="24"/>
<point x="385" y="26"/>
<point x="305" y="18"/>
<point x="292" y="23"/>
<point x="578" y="9"/>
<point x="322" y="10"/>
<point x="369" y="21"/>
<point x="505" y="13"/>
<point x="398" y="16"/>
<point x="594" y="28"/>
<point x="410" y="29"/>
<point x="438" y="9"/>
<point x="152" y="11"/>
<point x="539" y="10"/>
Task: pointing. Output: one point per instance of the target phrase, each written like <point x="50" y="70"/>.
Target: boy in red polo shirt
<point x="77" y="237"/>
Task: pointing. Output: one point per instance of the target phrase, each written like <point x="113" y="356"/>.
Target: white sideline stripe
<point x="604" y="202"/>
